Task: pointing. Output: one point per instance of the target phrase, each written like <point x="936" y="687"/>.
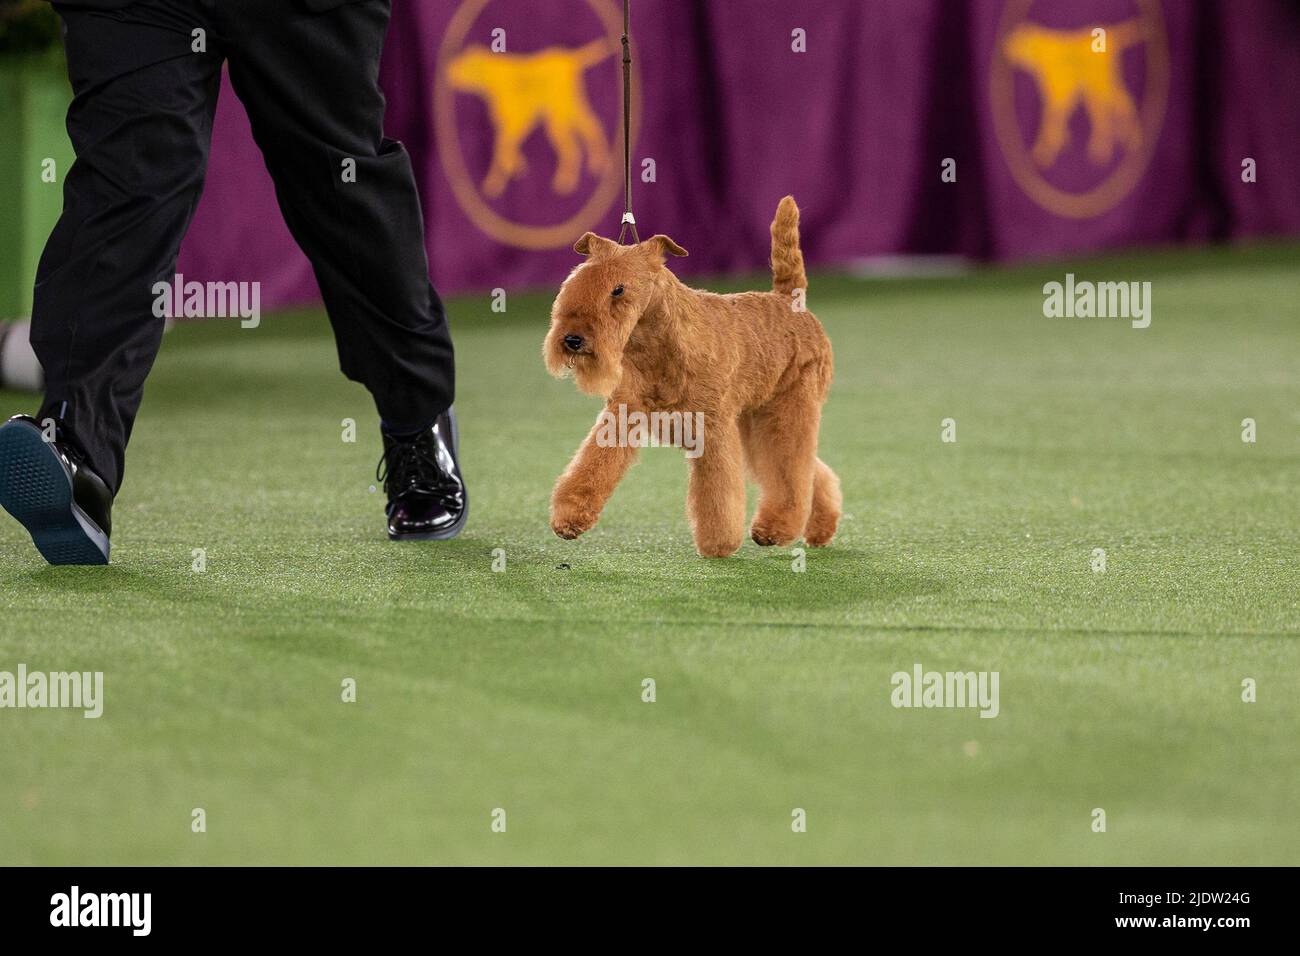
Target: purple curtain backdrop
<point x="856" y="127"/>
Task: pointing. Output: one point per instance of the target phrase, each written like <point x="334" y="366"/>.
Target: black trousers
<point x="141" y="122"/>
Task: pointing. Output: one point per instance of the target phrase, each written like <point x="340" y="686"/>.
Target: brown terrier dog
<point x="757" y="365"/>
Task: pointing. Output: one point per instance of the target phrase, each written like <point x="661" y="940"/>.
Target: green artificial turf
<point x="521" y="689"/>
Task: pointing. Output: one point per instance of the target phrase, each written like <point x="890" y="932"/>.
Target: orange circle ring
<point x="453" y="163"/>
<point x="1121" y="182"/>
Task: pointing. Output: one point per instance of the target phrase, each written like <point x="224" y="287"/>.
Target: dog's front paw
<point x="717" y="547"/>
<point x="571" y="520"/>
<point x="767" y="535"/>
<point x="819" y="539"/>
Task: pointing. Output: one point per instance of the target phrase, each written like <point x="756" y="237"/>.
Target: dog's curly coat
<point x="754" y="365"/>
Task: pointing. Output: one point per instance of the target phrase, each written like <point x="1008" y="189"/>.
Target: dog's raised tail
<point x="787" y="260"/>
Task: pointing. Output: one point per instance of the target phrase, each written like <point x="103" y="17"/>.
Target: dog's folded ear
<point x="591" y="244"/>
<point x="665" y="246"/>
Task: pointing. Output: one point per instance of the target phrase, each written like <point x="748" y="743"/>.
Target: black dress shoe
<point x="421" y="476"/>
<point x="50" y="489"/>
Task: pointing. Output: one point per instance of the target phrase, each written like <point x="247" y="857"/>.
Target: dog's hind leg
<point x="1053" y="127"/>
<point x="568" y="156"/>
<point x="592" y="136"/>
<point x="715" y="496"/>
<point x="827" y="503"/>
<point x="781" y="451"/>
<point x="507" y="157"/>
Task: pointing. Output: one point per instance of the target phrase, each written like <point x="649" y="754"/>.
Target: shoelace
<point x="406" y="465"/>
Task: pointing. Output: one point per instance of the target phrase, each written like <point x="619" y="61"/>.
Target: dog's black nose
<point x="573" y="342"/>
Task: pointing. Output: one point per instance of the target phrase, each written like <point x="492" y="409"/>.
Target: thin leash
<point x="629" y="220"/>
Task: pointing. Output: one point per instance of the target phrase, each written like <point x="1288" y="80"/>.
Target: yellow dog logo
<point x="542" y="97"/>
<point x="1088" y="65"/>
<point x="526" y="90"/>
<point x="1069" y="72"/>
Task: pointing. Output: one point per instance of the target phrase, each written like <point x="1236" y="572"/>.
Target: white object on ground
<point x="19" y="369"/>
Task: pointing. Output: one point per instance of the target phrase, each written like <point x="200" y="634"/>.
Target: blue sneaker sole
<point x="36" y="488"/>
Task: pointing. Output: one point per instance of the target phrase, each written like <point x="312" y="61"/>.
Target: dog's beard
<point x="595" y="375"/>
<point x="597" y="372"/>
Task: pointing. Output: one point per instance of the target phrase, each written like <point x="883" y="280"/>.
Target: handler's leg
<point x="310" y="84"/>
<point x="140" y="124"/>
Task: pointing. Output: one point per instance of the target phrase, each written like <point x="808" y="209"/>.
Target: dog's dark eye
<point x="618" y="290"/>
